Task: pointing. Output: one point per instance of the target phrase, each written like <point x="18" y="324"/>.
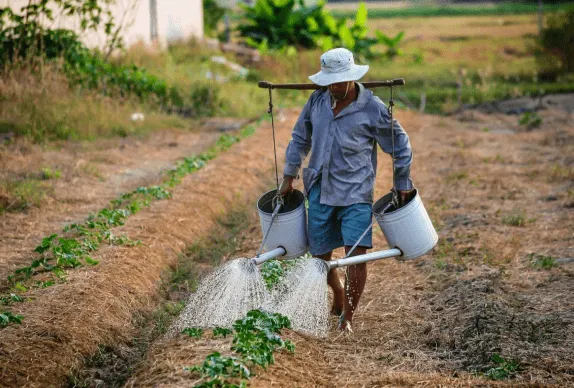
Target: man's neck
<point x="351" y="96"/>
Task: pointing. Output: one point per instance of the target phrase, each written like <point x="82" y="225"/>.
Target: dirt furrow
<point x="66" y="322"/>
<point x="90" y="179"/>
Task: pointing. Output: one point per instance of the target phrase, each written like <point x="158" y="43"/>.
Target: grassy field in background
<point x="44" y="107"/>
<point x="190" y="65"/>
<point x="492" y="57"/>
<point x="405" y="10"/>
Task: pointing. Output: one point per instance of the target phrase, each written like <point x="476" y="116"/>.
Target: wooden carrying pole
<point x="370" y="85"/>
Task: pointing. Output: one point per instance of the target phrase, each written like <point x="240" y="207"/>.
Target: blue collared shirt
<point x="343" y="151"/>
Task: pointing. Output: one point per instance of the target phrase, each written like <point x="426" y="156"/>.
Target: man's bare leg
<point x="355" y="280"/>
<point x="335" y="284"/>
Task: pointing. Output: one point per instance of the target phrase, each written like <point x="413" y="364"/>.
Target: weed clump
<point x="530" y="120"/>
<point x="515" y="218"/>
<point x="541" y="261"/>
<point x="504" y="369"/>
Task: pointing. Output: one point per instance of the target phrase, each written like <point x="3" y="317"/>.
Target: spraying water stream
<point x="224" y="296"/>
<point x="302" y="296"/>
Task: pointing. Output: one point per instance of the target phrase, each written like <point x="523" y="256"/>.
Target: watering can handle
<point x="278" y="200"/>
<point x="376" y="218"/>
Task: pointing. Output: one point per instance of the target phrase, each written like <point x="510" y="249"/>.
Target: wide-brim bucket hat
<point x="338" y="65"/>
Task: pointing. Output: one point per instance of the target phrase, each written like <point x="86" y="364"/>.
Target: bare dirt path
<point x="92" y="174"/>
<point x="502" y="199"/>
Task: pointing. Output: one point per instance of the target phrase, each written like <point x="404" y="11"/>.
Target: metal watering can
<point x="284" y="226"/>
<point x="408" y="230"/>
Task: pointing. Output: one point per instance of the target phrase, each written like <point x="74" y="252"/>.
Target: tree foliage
<point x="276" y="24"/>
<point x="557" y="41"/>
<point x="212" y="15"/>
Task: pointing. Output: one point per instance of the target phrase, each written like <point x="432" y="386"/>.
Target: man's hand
<point x="286" y="186"/>
<point x="405" y="196"/>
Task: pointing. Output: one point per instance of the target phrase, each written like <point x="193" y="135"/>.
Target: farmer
<point x="340" y="125"/>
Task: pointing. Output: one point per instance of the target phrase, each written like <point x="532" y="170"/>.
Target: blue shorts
<point x="331" y="227"/>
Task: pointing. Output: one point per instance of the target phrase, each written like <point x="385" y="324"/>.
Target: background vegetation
<point x="449" y="55"/>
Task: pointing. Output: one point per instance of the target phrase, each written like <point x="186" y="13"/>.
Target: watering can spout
<point x="364" y="258"/>
<point x="277" y="252"/>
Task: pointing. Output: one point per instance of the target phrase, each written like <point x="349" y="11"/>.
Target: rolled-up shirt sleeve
<point x="403" y="150"/>
<point x="300" y="143"/>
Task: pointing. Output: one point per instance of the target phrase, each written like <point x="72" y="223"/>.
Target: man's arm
<point x="403" y="150"/>
<point x="298" y="148"/>
<point x="300" y="143"/>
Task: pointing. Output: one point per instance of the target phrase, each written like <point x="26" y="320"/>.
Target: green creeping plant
<point x="193" y="332"/>
<point x="59" y="253"/>
<point x="255" y="338"/>
<point x="6" y="318"/>
<point x="215" y="365"/>
<point x="222" y="331"/>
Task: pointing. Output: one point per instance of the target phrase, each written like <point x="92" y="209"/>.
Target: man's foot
<point x="336" y="310"/>
<point x="344" y="324"/>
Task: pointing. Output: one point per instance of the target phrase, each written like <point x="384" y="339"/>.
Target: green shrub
<point x="557" y="43"/>
<point x="276" y="24"/>
<point x="212" y="15"/>
<point x="24" y="41"/>
<point x="22" y="34"/>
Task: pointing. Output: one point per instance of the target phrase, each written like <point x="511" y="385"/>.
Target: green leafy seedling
<point x="505" y="369"/>
<point x="193" y="332"/>
<point x="216" y="366"/>
<point x="222" y="331"/>
<point x="10" y="299"/>
<point x="6" y="318"/>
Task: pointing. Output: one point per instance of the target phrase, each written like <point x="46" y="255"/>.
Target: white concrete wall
<point x="176" y="20"/>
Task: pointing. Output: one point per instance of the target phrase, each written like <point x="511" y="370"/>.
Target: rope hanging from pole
<point x="391" y="105"/>
<point x="270" y="111"/>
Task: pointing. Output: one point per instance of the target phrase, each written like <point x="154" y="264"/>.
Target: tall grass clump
<point x="47" y="107"/>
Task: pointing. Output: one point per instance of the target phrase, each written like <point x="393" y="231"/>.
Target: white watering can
<point x="408" y="230"/>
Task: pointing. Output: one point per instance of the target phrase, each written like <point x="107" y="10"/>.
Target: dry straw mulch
<point x="65" y="323"/>
<point x="437" y="321"/>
